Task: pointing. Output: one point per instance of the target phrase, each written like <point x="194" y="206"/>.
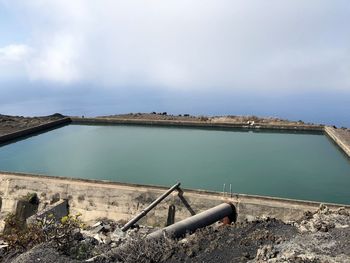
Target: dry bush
<point x="20" y="237"/>
<point x="64" y="235"/>
<point x="142" y="250"/>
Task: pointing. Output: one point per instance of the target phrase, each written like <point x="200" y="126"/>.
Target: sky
<point x="288" y="59"/>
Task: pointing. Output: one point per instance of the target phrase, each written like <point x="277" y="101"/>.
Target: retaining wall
<point x="37" y="129"/>
<point x="106" y="121"/>
<point x="118" y="201"/>
<point x="333" y="135"/>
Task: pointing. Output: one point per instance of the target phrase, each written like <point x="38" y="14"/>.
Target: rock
<point x="97" y="224"/>
<point x="246" y="255"/>
<point x="266" y="252"/>
<point x="98" y="238"/>
<point x="118" y="235"/>
<point x="91" y="259"/>
<point x="342" y="211"/>
<point x="323" y="209"/>
<point x="98" y="229"/>
<point x="101" y="227"/>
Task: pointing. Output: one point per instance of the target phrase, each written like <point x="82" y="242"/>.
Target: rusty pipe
<point x="190" y="224"/>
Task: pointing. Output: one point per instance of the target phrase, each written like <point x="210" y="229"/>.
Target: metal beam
<point x="149" y="208"/>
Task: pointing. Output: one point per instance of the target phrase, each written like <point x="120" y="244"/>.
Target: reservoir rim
<point x="285" y="201"/>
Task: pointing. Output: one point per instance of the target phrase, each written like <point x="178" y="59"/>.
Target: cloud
<point x="14" y="53"/>
<point x="13" y="59"/>
<point x="187" y="44"/>
<point x="56" y="61"/>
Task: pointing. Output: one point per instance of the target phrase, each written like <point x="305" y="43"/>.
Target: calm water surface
<point x="300" y="166"/>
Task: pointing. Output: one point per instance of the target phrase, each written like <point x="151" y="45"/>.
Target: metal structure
<point x="206" y="218"/>
<point x="149" y="208"/>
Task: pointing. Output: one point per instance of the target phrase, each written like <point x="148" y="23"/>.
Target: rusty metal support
<point x="171" y="215"/>
<point x="149" y="208"/>
<point x="206" y="218"/>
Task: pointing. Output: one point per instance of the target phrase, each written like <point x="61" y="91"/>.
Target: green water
<point x="299" y="166"/>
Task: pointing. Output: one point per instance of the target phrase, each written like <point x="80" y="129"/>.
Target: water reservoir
<point x="289" y="165"/>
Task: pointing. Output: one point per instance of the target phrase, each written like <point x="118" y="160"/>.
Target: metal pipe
<point x="200" y="220"/>
<point x="149" y="208"/>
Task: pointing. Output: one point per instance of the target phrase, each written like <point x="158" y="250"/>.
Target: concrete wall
<point x="99" y="199"/>
<point x="37" y="129"/>
<point x="109" y="121"/>
<point x="333" y="135"/>
<point x="56" y="210"/>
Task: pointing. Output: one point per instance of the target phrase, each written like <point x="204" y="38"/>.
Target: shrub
<point x="19" y="237"/>
<point x="63" y="235"/>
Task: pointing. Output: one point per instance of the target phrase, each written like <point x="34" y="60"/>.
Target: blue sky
<point x="288" y="59"/>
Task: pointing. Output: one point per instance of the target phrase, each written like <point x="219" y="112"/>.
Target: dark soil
<point x="236" y="243"/>
<point x="231" y="243"/>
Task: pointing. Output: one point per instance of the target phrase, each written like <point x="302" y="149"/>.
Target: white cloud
<point x="13" y="59"/>
<point x="56" y="61"/>
<point x="14" y="53"/>
<point x="189" y="44"/>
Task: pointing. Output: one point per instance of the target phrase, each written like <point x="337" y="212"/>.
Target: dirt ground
<point x="9" y="124"/>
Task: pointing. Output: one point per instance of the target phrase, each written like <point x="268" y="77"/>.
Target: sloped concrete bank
<point x="342" y="144"/>
<point x="120" y="201"/>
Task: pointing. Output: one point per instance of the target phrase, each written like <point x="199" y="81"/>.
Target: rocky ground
<point x="10" y="124"/>
<point x="322" y="236"/>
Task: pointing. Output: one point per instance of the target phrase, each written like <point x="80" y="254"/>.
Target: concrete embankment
<point x="335" y="136"/>
<point x="33" y="130"/>
<point x="109" y="121"/>
<point x="119" y="201"/>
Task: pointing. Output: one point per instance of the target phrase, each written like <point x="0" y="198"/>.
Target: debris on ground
<point x="321" y="236"/>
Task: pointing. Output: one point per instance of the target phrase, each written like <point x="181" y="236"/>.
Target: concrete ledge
<point x="109" y="121"/>
<point x="33" y="130"/>
<point x="118" y="201"/>
<point x="333" y="135"/>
